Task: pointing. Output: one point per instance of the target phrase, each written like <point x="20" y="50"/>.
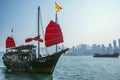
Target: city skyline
<point x="85" y="49"/>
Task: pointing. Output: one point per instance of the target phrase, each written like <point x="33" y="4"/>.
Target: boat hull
<point x="106" y="55"/>
<point x="41" y="65"/>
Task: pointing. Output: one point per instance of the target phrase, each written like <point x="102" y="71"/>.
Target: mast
<point x="58" y="8"/>
<point x="12" y="32"/>
<point x="56" y="20"/>
<point x="38" y="32"/>
<point x="11" y="35"/>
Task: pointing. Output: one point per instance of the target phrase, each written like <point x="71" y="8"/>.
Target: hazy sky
<point x="82" y="21"/>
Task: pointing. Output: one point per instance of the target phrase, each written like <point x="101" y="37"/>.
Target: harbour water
<point x="72" y="68"/>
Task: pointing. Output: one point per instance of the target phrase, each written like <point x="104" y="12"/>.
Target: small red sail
<point x="37" y="38"/>
<point x="10" y="42"/>
<point x="53" y="34"/>
<point x="28" y="40"/>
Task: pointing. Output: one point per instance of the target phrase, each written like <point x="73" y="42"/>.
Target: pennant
<point x="57" y="7"/>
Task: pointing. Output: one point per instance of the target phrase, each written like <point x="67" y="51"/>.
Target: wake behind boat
<point x="24" y="58"/>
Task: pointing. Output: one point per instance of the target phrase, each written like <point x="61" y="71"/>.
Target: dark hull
<point x="106" y="55"/>
<point x="40" y="65"/>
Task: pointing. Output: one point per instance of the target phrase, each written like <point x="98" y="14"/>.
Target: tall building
<point x="103" y="49"/>
<point x="109" y="48"/>
<point x="84" y="47"/>
<point x="94" y="47"/>
<point x="114" y="45"/>
<point x="119" y="43"/>
<point x="98" y="48"/>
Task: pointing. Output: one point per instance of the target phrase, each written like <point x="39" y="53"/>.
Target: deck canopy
<point x="23" y="47"/>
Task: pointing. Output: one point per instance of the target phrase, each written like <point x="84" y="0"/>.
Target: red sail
<point x="28" y="40"/>
<point x="10" y="42"/>
<point x="53" y="34"/>
<point x="37" y="38"/>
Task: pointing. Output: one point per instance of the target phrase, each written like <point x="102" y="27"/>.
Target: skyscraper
<point x="109" y="49"/>
<point x="114" y="44"/>
<point x="103" y="48"/>
<point x="110" y="46"/>
<point x="94" y="47"/>
<point x="119" y="43"/>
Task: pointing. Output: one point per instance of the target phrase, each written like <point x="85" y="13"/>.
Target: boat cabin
<point x="21" y="54"/>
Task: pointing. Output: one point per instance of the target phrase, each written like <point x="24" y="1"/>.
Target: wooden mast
<point x="58" y="8"/>
<point x="56" y="20"/>
<point x="38" y="33"/>
<point x="11" y="35"/>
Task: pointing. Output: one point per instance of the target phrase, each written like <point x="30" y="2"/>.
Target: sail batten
<point x="53" y="34"/>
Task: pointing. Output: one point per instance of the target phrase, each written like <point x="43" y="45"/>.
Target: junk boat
<point x="24" y="58"/>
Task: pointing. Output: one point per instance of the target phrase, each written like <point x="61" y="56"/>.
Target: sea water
<point x="72" y="68"/>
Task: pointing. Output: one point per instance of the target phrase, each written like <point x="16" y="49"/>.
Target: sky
<point x="82" y="21"/>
